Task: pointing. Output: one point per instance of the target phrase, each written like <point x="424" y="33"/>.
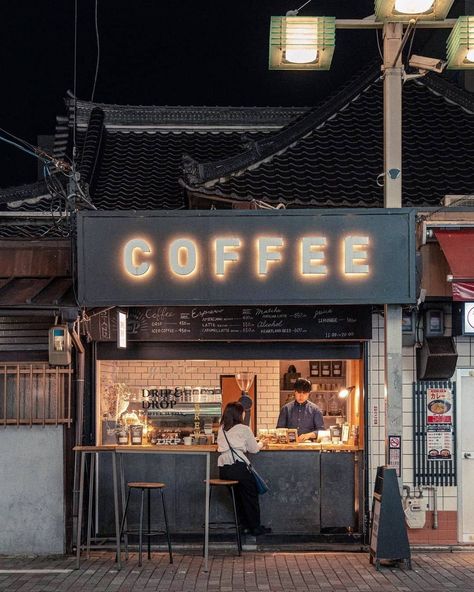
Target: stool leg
<point x="124" y="518"/>
<point x="140" y="529"/>
<point x="166" y="525"/>
<point x="149" y="523"/>
<point x="209" y="510"/>
<point x="236" y="520"/>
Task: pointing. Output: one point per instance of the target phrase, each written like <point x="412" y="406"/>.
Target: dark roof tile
<point x="335" y="159"/>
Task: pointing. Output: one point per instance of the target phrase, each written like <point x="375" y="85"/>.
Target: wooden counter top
<point x="312" y="447"/>
<point x="148" y="448"/>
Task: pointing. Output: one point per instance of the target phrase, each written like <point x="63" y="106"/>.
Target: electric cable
<point x="98" y="50"/>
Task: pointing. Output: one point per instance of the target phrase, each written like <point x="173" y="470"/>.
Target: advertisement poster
<point x="439" y="442"/>
<point x="439" y="403"/>
<point x="439" y="424"/>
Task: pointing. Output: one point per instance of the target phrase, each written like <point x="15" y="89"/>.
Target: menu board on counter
<point x="232" y="323"/>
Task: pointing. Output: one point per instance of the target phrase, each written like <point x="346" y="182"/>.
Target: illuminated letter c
<point x="130" y="257"/>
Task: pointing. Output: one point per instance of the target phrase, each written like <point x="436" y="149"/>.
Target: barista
<point x="302" y="414"/>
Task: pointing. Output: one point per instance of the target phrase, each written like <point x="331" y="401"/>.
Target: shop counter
<point x="313" y="487"/>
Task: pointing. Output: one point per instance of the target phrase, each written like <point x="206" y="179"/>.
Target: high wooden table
<point x="116" y="451"/>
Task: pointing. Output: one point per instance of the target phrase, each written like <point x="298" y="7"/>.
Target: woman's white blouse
<point x="241" y="438"/>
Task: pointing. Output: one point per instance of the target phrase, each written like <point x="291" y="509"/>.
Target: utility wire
<point x="74" y="86"/>
<point x="98" y="50"/>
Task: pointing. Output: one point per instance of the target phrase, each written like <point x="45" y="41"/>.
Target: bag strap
<point x="234" y="452"/>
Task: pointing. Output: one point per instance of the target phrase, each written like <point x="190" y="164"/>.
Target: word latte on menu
<point x="183" y="256"/>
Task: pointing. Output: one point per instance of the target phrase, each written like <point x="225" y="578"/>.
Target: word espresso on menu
<point x="182" y="256"/>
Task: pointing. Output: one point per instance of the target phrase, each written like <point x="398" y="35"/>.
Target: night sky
<point x="158" y="52"/>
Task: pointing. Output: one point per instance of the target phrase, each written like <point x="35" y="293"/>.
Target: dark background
<point x="158" y="52"/>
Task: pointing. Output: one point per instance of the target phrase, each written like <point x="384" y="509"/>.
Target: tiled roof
<point x="333" y="155"/>
<point x="136" y="157"/>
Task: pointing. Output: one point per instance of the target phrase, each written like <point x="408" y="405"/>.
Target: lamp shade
<point x="301" y="42"/>
<point x="460" y="44"/>
<point x="404" y="10"/>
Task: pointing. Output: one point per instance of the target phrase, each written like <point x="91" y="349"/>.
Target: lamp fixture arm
<point x="296" y="11"/>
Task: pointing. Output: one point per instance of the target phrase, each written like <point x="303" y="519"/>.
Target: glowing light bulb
<point x="301" y="56"/>
<point x="413" y="6"/>
<point x="470" y="55"/>
<point x="298" y="36"/>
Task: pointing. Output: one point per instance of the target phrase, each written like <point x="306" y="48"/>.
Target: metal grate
<point x="33" y="394"/>
<point x="433" y="472"/>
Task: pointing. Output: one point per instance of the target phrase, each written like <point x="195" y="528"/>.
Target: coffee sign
<point x="246" y="257"/>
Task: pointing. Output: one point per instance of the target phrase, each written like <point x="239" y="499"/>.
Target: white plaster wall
<point x="31" y="490"/>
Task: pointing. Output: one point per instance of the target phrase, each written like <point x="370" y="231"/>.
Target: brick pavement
<point x="253" y="572"/>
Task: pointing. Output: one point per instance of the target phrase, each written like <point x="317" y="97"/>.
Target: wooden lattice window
<point x="32" y="394"/>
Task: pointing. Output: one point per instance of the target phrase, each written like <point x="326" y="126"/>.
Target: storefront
<point x="224" y="305"/>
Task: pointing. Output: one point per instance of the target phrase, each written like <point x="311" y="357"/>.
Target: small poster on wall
<point x="439" y="424"/>
<point x="439" y="443"/>
<point x="439" y="402"/>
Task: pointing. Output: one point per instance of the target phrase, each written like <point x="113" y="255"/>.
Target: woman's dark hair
<point x="303" y="386"/>
<point x="232" y="415"/>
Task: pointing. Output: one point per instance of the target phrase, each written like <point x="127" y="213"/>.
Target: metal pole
<point x="393" y="70"/>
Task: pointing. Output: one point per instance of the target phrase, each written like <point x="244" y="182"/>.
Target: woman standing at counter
<point x="302" y="414"/>
<point x="233" y="433"/>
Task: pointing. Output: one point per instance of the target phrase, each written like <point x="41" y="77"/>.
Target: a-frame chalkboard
<point x="388" y="533"/>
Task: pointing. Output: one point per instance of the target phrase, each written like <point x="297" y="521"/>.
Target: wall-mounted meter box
<point x="434" y="323"/>
<point x="59" y="346"/>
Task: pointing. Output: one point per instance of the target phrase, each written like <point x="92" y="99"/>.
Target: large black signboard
<point x="246" y="257"/>
<point x="224" y="323"/>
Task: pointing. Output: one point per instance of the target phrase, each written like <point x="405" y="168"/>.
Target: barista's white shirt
<point x="241" y="439"/>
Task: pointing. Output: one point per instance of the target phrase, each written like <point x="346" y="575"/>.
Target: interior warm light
<point x="345" y="392"/>
<point x="470" y="55"/>
<point x="413" y="6"/>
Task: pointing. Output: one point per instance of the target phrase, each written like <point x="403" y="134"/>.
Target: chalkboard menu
<point x="232" y="323"/>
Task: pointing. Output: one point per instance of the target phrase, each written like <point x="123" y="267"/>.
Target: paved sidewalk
<point x="253" y="572"/>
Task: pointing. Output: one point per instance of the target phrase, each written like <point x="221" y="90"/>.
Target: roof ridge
<point x="168" y="114"/>
<point x="256" y="152"/>
<point x="450" y="91"/>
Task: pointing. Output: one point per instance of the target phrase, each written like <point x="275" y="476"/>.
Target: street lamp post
<point x="390" y="16"/>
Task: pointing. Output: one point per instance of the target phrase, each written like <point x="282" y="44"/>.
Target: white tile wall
<point x="447" y="496"/>
<point x="200" y="373"/>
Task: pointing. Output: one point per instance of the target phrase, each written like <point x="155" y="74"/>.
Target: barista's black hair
<point x="303" y="386"/>
<point x="232" y="415"/>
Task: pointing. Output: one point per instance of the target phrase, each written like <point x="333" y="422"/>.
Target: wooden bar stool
<point x="148" y="487"/>
<point x="230" y="485"/>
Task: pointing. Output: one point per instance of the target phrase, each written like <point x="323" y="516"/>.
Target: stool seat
<point x="226" y="482"/>
<point x="146" y="485"/>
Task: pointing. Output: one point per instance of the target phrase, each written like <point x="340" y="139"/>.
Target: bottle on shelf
<point x="333" y="405"/>
<point x="320" y="401"/>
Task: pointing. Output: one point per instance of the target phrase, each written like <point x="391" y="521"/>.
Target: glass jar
<point x="136" y="434"/>
<point x="121" y="435"/>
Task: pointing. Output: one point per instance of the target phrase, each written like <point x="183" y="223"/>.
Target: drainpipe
<point x="80" y="365"/>
<point x="435" y="504"/>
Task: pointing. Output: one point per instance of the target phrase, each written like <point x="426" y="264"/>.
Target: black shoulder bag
<point x="260" y="482"/>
